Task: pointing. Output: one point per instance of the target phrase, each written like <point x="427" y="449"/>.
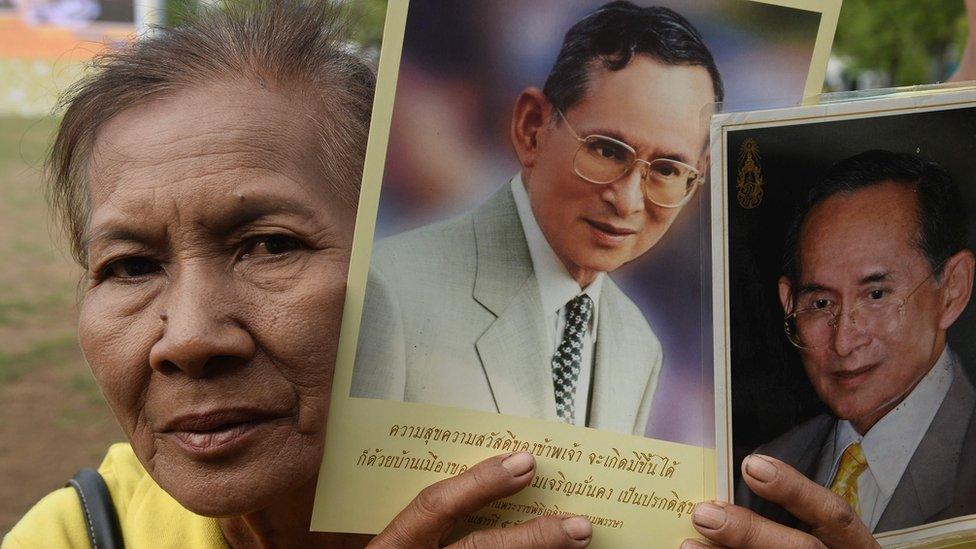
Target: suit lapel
<point x="512" y="348"/>
<point x="964" y="502"/>
<point x="620" y="375"/>
<point x="928" y="484"/>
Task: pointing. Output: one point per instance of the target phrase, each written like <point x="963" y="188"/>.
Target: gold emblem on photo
<point x="750" y="179"/>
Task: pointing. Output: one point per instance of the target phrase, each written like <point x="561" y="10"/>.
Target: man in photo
<point x="509" y="308"/>
<point x="876" y="272"/>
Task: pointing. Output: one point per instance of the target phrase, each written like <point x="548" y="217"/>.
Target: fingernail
<point x="578" y="528"/>
<point x="519" y="464"/>
<point x="709" y="516"/>
<point x="692" y="544"/>
<point x="760" y="468"/>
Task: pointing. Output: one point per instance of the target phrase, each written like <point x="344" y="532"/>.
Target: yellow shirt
<point x="148" y="516"/>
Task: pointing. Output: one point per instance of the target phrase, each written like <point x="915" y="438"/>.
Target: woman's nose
<point x="201" y="335"/>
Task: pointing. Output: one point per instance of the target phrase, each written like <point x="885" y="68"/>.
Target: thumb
<point x="433" y="513"/>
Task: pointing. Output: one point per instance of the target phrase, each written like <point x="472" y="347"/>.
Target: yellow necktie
<point x="852" y="464"/>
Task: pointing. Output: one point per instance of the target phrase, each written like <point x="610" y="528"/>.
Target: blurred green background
<point x="897" y="43"/>
<point x="53" y="420"/>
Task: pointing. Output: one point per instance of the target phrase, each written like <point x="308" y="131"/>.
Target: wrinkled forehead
<point x="197" y="135"/>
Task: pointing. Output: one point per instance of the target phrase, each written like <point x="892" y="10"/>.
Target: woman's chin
<point x="239" y="483"/>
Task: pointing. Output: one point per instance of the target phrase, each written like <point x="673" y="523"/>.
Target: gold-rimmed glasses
<point x="878" y="313"/>
<point x="602" y="160"/>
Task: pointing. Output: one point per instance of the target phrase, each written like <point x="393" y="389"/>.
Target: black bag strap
<point x="101" y="519"/>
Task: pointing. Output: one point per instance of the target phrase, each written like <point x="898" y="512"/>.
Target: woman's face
<point x="217" y="266"/>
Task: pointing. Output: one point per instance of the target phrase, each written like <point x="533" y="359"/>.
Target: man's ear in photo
<point x="957" y="286"/>
<point x="786" y="294"/>
<point x="531" y="117"/>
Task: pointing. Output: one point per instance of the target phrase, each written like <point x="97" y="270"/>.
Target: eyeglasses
<point x="603" y="160"/>
<point x="877" y="313"/>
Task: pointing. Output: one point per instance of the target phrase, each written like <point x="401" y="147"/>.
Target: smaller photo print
<point x="851" y="329"/>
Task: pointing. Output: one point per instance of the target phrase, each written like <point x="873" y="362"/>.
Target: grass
<point x="53" y="419"/>
<point x="43" y="353"/>
<point x="14" y="310"/>
<point x="84" y="384"/>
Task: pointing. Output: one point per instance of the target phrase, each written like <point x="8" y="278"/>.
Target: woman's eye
<point x="271" y="245"/>
<point x="130" y="267"/>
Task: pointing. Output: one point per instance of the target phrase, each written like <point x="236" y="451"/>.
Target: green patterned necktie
<point x="566" y="361"/>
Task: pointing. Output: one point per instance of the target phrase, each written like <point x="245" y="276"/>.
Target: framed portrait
<point x="531" y="270"/>
<point x="846" y="327"/>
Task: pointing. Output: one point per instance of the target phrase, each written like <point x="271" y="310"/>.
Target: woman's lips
<point x="219" y="432"/>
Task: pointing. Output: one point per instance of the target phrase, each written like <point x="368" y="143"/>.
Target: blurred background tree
<point x="898" y="42"/>
<point x="370" y="15"/>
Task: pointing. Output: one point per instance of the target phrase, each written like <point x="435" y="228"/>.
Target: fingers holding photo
<point x="429" y="519"/>
<point x="735" y="527"/>
<point x="831" y="520"/>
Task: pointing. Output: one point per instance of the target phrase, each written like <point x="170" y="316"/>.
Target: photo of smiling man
<point x="851" y="325"/>
<point x="870" y="323"/>
<point x="540" y="245"/>
<point x="509" y="308"/>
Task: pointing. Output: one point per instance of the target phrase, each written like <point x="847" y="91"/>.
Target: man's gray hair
<point x="294" y="46"/>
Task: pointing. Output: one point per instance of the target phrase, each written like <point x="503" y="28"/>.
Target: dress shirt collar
<point x="890" y="444"/>
<point x="556" y="286"/>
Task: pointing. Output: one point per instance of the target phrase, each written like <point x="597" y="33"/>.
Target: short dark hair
<point x="612" y="35"/>
<point x="942" y="221"/>
<point x="294" y="46"/>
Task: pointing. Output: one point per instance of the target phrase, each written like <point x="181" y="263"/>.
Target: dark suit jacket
<point x="939" y="483"/>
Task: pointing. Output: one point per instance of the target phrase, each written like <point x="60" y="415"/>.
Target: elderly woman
<point x="207" y="178"/>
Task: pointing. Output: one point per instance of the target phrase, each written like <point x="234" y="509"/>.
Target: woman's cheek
<point x="303" y="342"/>
<point x="115" y="336"/>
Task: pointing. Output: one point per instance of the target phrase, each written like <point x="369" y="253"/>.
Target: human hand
<point x="431" y="516"/>
<point x="832" y="522"/>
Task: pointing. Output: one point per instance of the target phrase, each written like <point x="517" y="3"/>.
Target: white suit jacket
<point x="452" y="316"/>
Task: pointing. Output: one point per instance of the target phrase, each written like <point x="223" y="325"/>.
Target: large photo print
<point x="540" y="237"/>
<point x="850" y="325"/>
<point x="531" y="264"/>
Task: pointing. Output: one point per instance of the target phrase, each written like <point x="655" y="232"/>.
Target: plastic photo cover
<point x="845" y="323"/>
<point x="524" y="279"/>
